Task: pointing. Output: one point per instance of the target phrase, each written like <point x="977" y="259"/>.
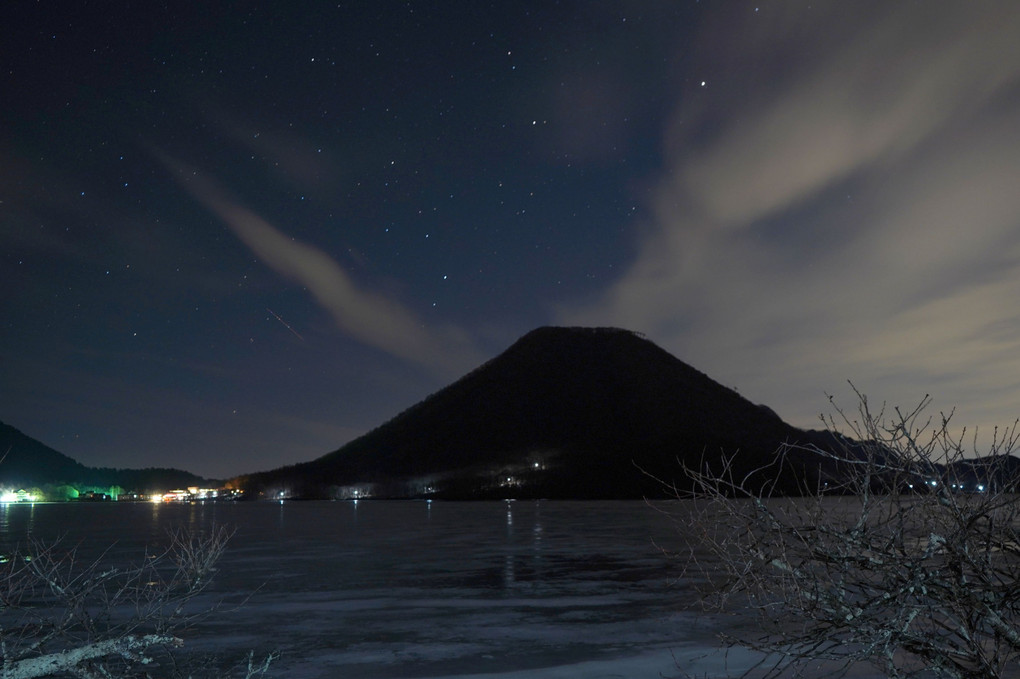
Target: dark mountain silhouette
<point x="26" y="462"/>
<point x="562" y="413"/>
<point x="994" y="473"/>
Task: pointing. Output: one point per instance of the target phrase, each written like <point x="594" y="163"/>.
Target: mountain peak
<point x="563" y="412"/>
<point x="567" y="333"/>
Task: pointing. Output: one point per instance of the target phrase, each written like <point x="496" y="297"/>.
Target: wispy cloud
<point x="370" y="317"/>
<point x="843" y="204"/>
<point x="292" y="158"/>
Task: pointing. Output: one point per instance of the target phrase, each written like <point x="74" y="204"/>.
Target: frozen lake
<point x="504" y="590"/>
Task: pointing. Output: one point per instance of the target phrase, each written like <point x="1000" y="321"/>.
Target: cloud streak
<point x="842" y="204"/>
<point x="365" y="315"/>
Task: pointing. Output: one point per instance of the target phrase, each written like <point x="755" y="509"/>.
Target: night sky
<point x="237" y="235"/>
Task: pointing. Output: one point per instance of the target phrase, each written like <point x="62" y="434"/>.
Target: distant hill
<point x="562" y="413"/>
<point x="1000" y="473"/>
<point x="26" y="462"/>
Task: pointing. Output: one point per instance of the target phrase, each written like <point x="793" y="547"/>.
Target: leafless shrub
<point x="905" y="554"/>
<point x="62" y="617"/>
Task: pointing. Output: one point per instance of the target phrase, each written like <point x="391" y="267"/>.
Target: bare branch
<point x="905" y="553"/>
<point x="129" y="648"/>
<point x="59" y="616"/>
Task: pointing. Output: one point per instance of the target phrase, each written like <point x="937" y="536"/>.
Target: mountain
<point x="993" y="473"/>
<point x="26" y="462"/>
<point x="562" y="413"/>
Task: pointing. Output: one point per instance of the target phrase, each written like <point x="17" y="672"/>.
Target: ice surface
<point x="409" y="590"/>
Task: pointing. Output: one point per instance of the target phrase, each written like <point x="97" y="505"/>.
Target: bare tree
<point x="904" y="553"/>
<point x="62" y="617"/>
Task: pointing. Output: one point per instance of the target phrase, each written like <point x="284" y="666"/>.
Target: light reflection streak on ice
<point x="444" y="593"/>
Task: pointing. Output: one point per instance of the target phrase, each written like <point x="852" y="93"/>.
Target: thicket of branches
<point x="60" y="616"/>
<point x="901" y="556"/>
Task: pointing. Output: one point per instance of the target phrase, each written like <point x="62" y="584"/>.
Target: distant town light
<point x="9" y="496"/>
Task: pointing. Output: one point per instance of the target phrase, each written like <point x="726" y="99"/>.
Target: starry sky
<point x="237" y="235"/>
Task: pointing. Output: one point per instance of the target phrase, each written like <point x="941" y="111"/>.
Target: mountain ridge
<point x="27" y="462"/>
<point x="562" y="413"/>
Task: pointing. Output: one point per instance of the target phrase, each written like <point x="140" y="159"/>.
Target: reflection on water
<point x="16" y="519"/>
